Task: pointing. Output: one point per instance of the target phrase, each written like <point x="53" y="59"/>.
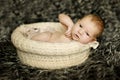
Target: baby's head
<point x="87" y="29"/>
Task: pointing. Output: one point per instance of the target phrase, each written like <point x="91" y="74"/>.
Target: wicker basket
<point x="49" y="55"/>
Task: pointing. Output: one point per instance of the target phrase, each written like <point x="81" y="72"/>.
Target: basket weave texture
<point x="48" y="55"/>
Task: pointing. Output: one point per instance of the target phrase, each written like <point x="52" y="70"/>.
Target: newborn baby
<point x="85" y="30"/>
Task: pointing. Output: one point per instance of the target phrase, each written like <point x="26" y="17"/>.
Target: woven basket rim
<point x="35" y="47"/>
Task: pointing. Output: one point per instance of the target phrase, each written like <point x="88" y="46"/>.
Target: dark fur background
<point x="102" y="64"/>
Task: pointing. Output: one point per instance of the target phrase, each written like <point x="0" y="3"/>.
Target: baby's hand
<point x="68" y="33"/>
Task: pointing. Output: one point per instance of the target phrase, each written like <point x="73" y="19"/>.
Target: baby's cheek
<point x="85" y="40"/>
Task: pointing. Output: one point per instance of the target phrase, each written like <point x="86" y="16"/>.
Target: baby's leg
<point x="44" y="36"/>
<point x="32" y="31"/>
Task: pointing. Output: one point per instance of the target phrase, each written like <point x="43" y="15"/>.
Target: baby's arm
<point x="67" y="21"/>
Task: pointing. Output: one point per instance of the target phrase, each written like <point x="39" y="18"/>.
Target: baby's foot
<point x="32" y="31"/>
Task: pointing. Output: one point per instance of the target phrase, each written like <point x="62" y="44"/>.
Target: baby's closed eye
<point x="80" y="26"/>
<point x="87" y="34"/>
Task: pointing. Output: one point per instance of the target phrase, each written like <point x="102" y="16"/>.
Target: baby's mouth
<point x="75" y="37"/>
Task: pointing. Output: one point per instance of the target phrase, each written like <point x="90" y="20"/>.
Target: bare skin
<point x="83" y="31"/>
<point x="51" y="37"/>
<point x="57" y="36"/>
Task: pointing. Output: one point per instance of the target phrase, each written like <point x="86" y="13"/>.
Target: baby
<point x="85" y="30"/>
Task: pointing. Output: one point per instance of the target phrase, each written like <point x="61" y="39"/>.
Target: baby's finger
<point x="68" y="35"/>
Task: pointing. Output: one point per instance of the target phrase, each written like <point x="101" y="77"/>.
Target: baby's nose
<point x="81" y="31"/>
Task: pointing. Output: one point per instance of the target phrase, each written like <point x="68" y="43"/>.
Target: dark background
<point x="102" y="64"/>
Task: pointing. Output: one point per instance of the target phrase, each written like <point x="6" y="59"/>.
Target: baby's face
<point x="84" y="31"/>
